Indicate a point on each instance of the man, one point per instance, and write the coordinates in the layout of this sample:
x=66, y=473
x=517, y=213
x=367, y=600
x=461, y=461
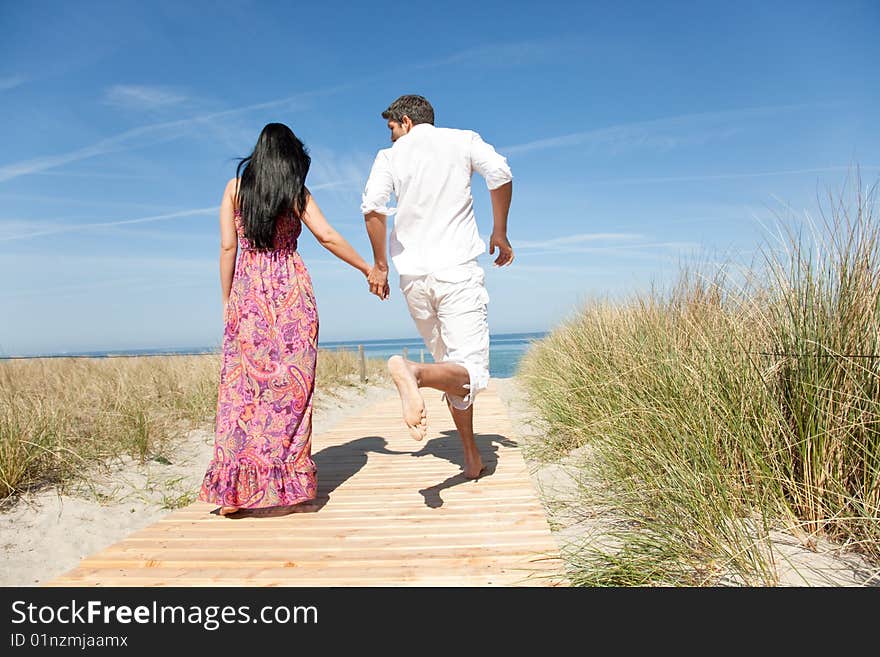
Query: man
x=434, y=247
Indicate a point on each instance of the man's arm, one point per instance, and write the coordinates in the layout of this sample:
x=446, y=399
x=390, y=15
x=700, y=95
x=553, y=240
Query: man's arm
x=374, y=207
x=500, y=207
x=493, y=167
x=376, y=230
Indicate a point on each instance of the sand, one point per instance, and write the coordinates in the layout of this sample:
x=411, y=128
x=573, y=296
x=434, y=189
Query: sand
x=46, y=533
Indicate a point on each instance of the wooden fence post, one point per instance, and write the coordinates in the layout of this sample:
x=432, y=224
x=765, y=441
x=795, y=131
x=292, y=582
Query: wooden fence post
x=421, y=355
x=405, y=353
x=362, y=363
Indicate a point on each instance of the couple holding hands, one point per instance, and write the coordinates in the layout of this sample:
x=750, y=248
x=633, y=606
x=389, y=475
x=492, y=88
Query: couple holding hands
x=262, y=449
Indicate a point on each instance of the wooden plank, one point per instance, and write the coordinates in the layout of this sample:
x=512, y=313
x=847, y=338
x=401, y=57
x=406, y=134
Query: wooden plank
x=340, y=511
x=446, y=580
x=393, y=572
x=408, y=517
x=349, y=511
x=400, y=544
x=153, y=556
x=360, y=526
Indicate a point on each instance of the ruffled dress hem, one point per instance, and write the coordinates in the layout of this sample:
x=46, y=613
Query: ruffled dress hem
x=250, y=486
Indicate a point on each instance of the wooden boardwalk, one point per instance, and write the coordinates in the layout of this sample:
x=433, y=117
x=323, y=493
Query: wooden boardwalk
x=390, y=512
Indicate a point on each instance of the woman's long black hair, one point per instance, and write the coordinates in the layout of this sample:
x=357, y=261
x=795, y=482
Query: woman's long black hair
x=273, y=182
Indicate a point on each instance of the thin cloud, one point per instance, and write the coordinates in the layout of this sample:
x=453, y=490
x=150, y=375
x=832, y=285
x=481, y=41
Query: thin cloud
x=123, y=222
x=169, y=130
x=52, y=228
x=642, y=250
x=77, y=287
x=12, y=227
x=96, y=174
x=157, y=132
x=65, y=200
x=346, y=173
x=724, y=176
x=622, y=244
x=130, y=286
x=40, y=164
x=12, y=82
x=329, y=185
x=132, y=96
x=664, y=133
x=106, y=261
x=556, y=269
x=506, y=53
x=579, y=238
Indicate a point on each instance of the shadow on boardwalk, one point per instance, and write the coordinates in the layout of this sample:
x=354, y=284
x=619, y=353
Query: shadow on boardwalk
x=346, y=460
x=449, y=447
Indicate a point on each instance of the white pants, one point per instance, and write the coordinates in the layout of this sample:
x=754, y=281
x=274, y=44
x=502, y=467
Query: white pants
x=449, y=309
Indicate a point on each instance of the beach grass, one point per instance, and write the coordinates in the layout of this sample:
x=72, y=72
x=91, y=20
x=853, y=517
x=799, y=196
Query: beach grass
x=743, y=402
x=61, y=416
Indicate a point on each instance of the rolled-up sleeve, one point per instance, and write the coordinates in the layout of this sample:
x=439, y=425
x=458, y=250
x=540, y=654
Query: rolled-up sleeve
x=380, y=186
x=486, y=161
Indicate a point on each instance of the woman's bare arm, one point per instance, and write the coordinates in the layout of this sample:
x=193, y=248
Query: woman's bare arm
x=331, y=240
x=228, y=239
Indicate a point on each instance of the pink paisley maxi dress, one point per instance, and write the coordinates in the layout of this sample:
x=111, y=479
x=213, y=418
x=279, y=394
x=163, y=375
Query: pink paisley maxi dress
x=263, y=431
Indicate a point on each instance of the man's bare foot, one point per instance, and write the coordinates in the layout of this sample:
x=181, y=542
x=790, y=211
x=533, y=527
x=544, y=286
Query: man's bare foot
x=228, y=510
x=473, y=470
x=414, y=414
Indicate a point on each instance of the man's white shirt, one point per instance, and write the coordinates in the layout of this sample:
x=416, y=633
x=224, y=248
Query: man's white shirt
x=429, y=170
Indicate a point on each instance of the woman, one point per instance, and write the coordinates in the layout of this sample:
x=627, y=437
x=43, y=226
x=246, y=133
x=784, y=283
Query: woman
x=262, y=445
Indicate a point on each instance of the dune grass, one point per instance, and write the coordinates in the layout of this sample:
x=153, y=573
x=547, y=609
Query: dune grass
x=59, y=416
x=732, y=406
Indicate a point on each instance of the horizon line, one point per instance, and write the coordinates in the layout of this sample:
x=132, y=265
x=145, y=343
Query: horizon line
x=199, y=350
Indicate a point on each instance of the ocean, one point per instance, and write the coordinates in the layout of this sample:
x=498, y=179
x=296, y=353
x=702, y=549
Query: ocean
x=505, y=350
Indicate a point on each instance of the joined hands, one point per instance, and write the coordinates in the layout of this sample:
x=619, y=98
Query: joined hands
x=377, y=278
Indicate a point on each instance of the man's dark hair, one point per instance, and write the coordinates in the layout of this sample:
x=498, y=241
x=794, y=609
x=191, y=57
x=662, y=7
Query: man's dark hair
x=417, y=108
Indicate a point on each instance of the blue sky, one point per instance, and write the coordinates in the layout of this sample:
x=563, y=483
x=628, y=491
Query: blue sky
x=639, y=135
